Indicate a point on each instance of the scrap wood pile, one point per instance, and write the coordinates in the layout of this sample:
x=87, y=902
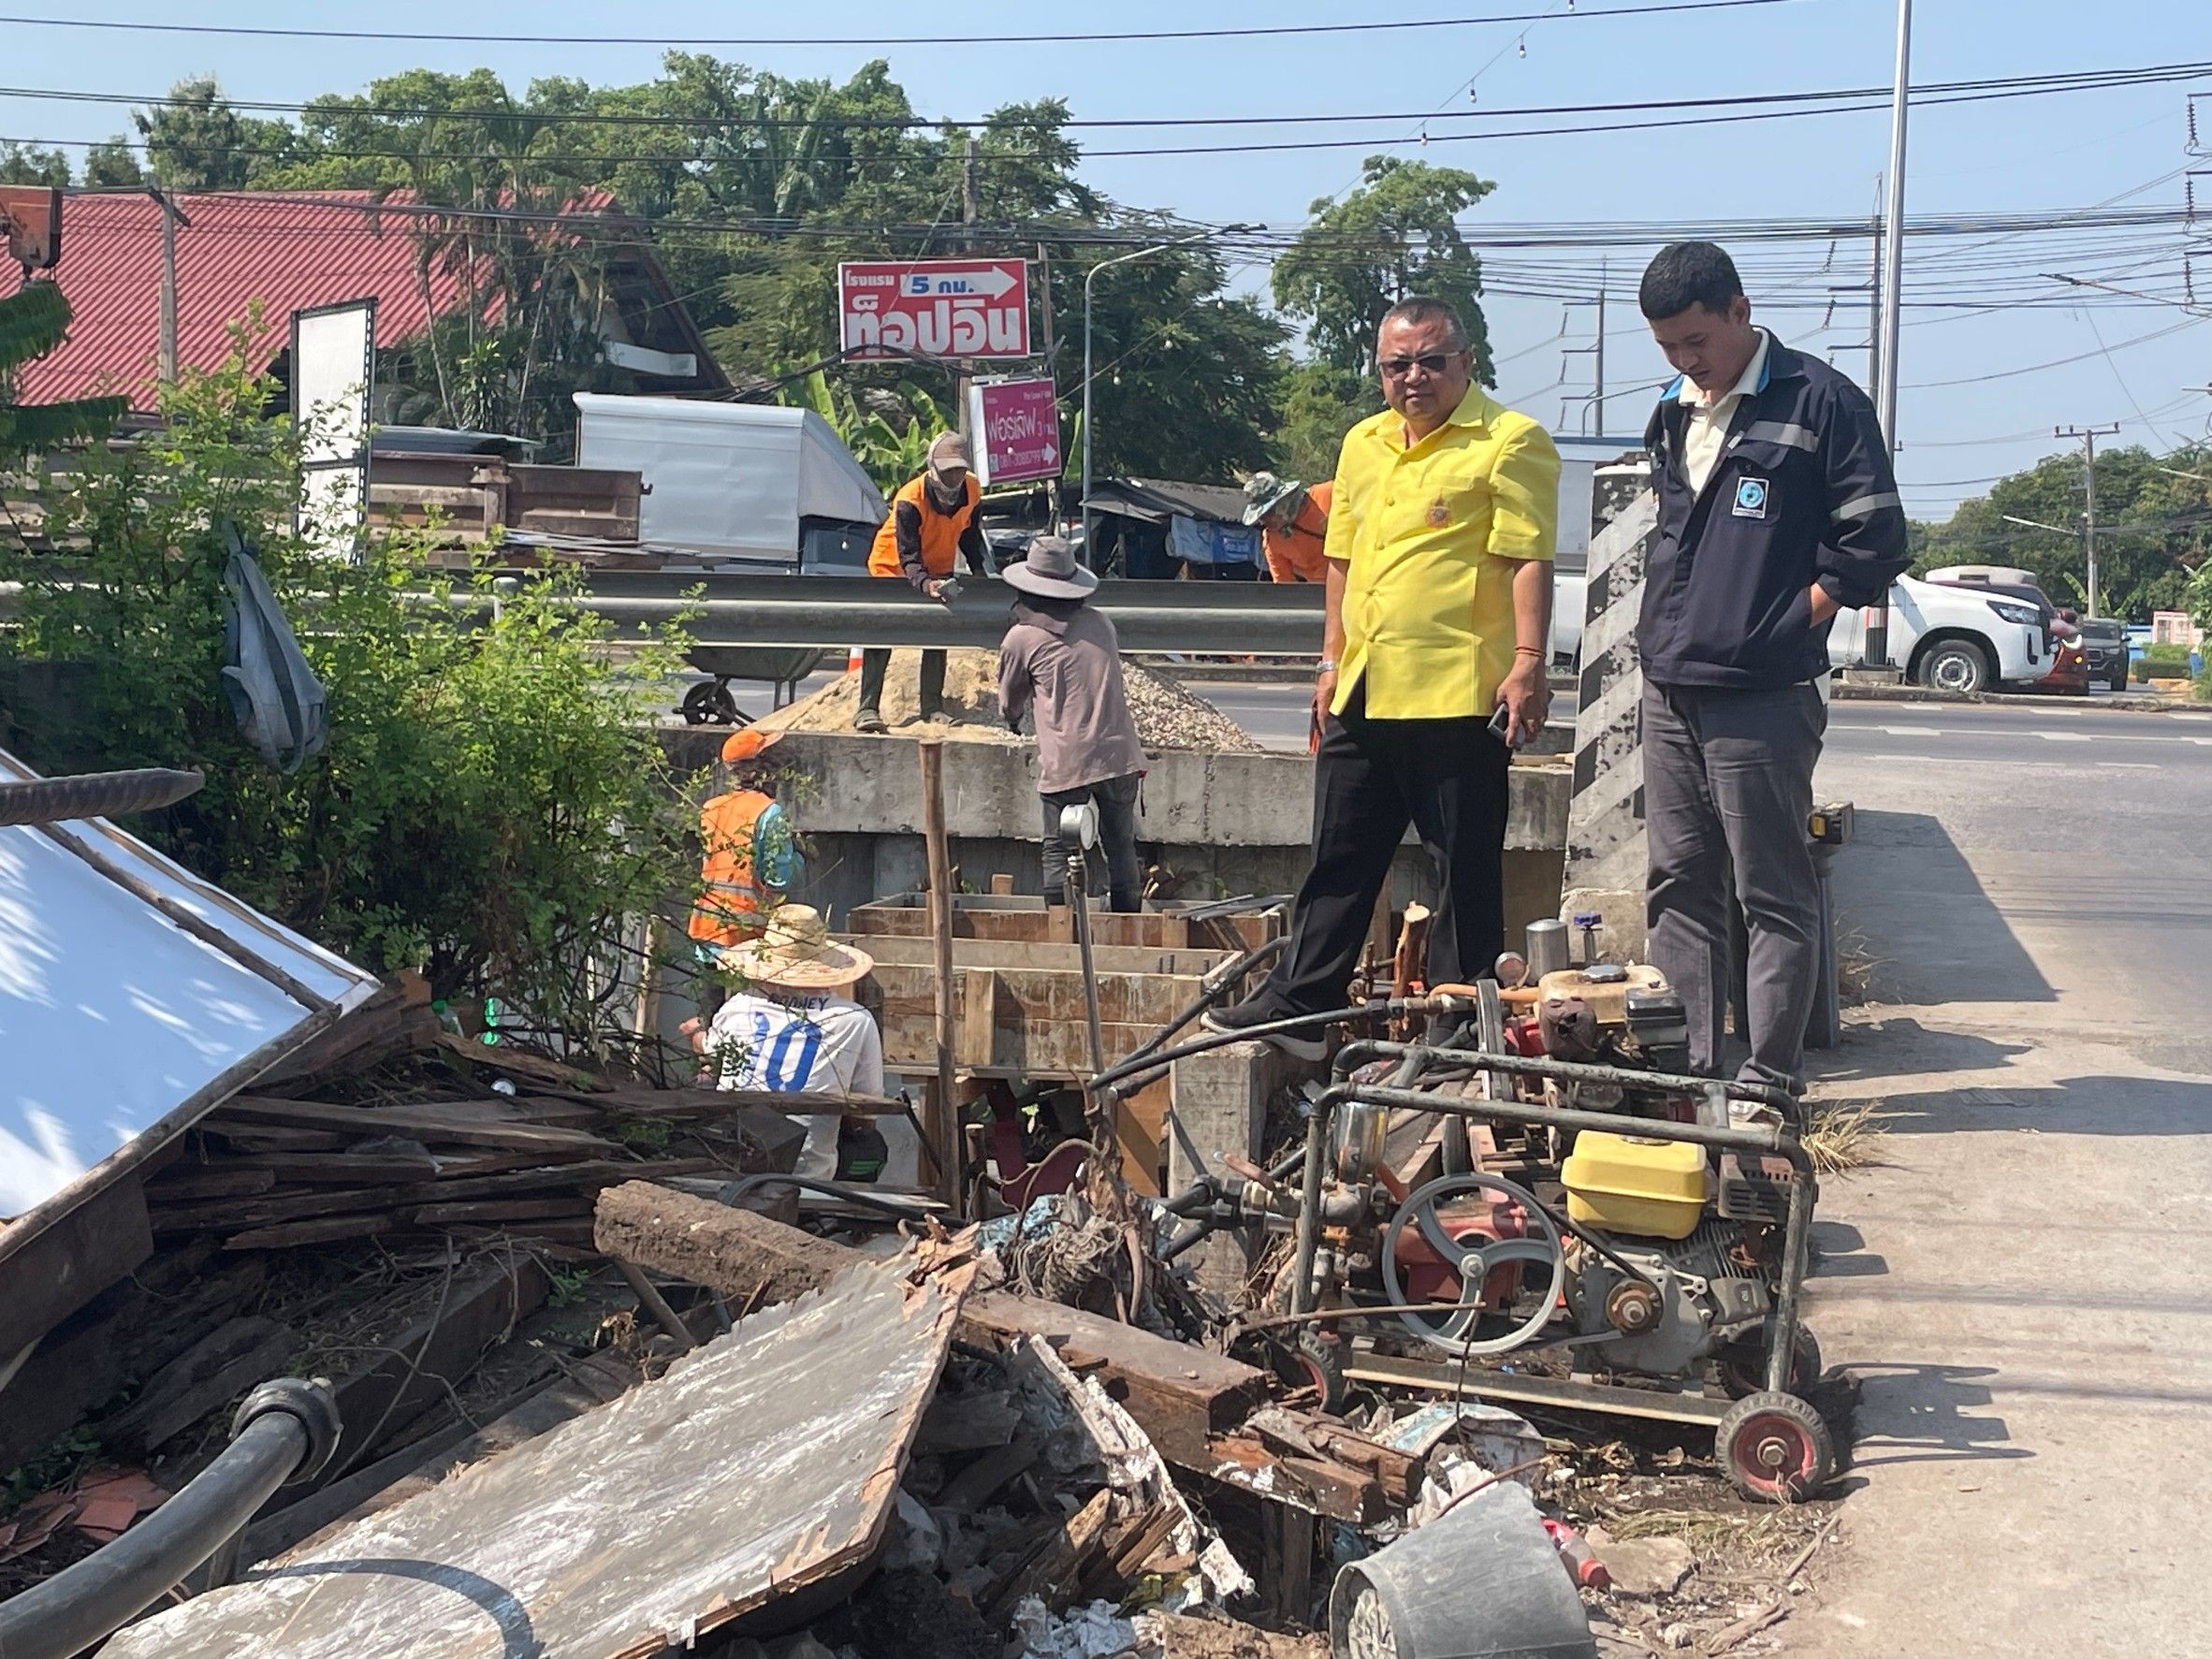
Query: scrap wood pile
x=403, y=1211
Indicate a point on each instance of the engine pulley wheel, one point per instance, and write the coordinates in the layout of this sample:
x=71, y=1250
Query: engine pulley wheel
x=1632, y=1307
x=1743, y=1364
x=1774, y=1449
x=1473, y=1261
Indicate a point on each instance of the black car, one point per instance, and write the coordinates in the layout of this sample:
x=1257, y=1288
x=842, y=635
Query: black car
x=2105, y=643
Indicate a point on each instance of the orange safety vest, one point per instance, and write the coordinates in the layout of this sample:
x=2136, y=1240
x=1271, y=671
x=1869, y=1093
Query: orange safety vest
x=731, y=903
x=1295, y=555
x=940, y=532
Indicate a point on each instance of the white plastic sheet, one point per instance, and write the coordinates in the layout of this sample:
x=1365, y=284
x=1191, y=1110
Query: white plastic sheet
x=112, y=1016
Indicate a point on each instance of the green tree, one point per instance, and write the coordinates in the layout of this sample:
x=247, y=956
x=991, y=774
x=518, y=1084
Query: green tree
x=2154, y=528
x=21, y=164
x=113, y=165
x=1320, y=403
x=197, y=141
x=490, y=807
x=32, y=321
x=1396, y=235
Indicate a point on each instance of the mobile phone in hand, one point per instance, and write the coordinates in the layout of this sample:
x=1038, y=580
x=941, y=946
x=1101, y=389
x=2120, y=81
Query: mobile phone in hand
x=1501, y=725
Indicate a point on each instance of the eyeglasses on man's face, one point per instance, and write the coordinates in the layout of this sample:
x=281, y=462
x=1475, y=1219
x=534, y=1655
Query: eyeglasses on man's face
x=1428, y=363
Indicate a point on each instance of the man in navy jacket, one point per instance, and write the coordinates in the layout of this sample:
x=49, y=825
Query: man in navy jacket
x=1777, y=508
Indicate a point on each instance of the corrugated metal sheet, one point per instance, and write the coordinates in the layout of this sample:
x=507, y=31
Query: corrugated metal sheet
x=285, y=253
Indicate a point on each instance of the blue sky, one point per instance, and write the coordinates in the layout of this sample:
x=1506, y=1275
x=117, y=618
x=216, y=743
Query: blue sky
x=2026, y=155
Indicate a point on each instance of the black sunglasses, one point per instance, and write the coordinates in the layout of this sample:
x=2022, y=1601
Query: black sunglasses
x=1432, y=362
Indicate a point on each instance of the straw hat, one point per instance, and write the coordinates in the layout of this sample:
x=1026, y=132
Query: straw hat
x=749, y=745
x=1264, y=492
x=1049, y=570
x=796, y=953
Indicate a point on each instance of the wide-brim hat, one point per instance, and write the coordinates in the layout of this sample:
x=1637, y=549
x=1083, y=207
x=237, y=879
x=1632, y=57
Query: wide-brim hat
x=795, y=952
x=749, y=745
x=1264, y=492
x=1049, y=571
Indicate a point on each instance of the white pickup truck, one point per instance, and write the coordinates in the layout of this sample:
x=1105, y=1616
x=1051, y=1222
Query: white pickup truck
x=1952, y=638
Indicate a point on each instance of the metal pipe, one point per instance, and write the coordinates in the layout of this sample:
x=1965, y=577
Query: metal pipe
x=1079, y=908
x=1212, y=988
x=1892, y=296
x=283, y=1429
x=1354, y=1054
x=1309, y=1207
x=1781, y=1353
x=1390, y=1007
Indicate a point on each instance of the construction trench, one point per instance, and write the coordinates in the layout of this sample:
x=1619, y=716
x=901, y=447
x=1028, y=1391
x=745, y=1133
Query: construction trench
x=1480, y=1338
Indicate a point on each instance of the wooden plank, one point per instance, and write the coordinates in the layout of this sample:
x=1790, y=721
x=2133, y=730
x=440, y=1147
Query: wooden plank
x=1181, y=1395
x=210, y=1374
x=424, y=1123
x=1310, y=1484
x=1141, y=1125
x=1058, y=957
x=69, y=1263
x=1049, y=994
x=401, y=1161
x=566, y=1208
x=975, y=1015
x=286, y=1235
x=187, y=1183
x=1033, y=1048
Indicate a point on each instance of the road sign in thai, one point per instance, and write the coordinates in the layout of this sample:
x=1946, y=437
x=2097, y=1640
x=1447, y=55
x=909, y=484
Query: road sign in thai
x=934, y=308
x=1016, y=425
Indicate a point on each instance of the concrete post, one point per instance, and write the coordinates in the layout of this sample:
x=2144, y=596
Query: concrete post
x=1216, y=1109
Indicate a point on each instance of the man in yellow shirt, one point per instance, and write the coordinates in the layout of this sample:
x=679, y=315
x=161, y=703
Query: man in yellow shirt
x=1439, y=608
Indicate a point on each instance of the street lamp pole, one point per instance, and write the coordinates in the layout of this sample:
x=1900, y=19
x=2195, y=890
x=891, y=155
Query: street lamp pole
x=1893, y=265
x=1089, y=277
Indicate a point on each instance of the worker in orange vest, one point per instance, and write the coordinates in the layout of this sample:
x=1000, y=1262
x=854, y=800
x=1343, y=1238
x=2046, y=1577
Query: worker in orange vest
x=752, y=860
x=932, y=523
x=1293, y=520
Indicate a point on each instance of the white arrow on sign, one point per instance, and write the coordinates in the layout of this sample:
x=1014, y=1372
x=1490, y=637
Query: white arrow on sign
x=994, y=283
x=1049, y=455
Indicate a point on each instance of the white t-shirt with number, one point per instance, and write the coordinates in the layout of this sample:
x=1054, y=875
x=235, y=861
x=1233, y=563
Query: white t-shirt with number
x=811, y=1043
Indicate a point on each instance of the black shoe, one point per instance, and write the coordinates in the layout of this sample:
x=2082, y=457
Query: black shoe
x=868, y=719
x=1309, y=1044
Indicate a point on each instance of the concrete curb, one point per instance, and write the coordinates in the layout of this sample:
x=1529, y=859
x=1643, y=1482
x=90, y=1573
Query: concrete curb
x=2125, y=704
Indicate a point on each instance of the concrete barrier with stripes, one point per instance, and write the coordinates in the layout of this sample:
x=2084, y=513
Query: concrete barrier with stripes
x=1605, y=851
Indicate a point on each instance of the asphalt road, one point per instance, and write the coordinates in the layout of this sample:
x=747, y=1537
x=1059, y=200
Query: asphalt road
x=2019, y=1282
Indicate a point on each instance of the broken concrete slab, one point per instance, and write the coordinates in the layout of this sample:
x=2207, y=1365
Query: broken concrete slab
x=761, y=1466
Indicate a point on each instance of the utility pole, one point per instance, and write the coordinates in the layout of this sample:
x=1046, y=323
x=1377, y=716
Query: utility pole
x=1893, y=268
x=969, y=213
x=1594, y=404
x=2089, y=436
x=171, y=216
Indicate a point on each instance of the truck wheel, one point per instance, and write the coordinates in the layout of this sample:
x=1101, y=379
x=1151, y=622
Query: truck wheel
x=1957, y=665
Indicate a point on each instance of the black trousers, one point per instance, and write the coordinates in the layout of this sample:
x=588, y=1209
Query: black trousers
x=874, y=665
x=1116, y=801
x=1372, y=779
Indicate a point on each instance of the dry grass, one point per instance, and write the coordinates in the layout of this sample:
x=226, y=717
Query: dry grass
x=1722, y=1538
x=1845, y=1136
x=1856, y=967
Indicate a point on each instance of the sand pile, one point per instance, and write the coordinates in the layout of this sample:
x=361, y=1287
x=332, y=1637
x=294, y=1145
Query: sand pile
x=1167, y=716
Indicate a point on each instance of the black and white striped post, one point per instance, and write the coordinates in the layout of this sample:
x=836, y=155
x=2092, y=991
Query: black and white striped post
x=1605, y=852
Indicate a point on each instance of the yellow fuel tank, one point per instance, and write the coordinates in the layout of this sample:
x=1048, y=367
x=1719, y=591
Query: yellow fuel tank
x=1624, y=1183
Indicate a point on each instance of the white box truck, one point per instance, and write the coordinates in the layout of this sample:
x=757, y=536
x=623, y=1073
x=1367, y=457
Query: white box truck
x=750, y=484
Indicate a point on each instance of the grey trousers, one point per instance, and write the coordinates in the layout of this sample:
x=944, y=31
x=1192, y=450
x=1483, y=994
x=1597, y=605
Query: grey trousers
x=1727, y=790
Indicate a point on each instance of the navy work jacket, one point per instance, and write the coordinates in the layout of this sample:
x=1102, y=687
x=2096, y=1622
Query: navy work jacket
x=1803, y=492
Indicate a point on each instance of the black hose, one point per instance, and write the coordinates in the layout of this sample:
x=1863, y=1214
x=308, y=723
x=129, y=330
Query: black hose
x=95, y=795
x=285, y=1428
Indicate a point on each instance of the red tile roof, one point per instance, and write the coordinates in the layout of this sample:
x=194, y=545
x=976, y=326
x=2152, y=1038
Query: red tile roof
x=287, y=253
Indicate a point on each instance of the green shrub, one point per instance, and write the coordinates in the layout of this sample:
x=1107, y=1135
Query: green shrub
x=2167, y=654
x=491, y=807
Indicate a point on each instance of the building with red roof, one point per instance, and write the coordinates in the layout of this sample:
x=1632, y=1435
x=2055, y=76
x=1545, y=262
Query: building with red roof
x=290, y=251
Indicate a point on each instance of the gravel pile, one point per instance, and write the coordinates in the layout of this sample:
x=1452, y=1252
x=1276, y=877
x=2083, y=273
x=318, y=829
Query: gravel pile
x=1167, y=714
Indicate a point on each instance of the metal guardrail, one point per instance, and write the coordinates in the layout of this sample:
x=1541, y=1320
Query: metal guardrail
x=754, y=609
